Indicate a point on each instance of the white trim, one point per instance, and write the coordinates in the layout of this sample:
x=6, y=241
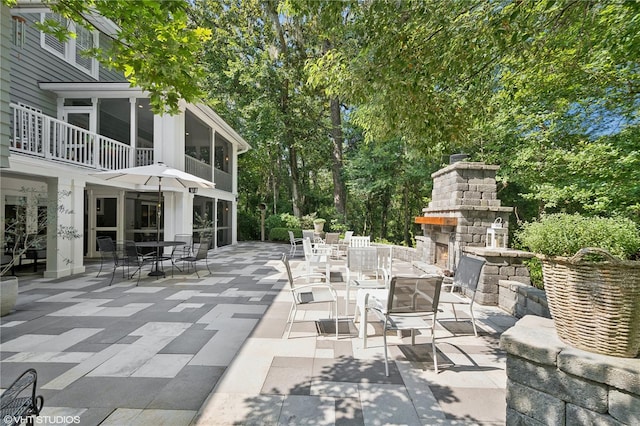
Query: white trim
x=69, y=46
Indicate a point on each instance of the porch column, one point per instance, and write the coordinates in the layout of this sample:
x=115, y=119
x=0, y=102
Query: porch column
x=133, y=131
x=178, y=214
x=168, y=139
x=65, y=255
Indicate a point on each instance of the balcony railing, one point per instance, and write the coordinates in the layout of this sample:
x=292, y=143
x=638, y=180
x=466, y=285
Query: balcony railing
x=222, y=180
x=197, y=168
x=37, y=134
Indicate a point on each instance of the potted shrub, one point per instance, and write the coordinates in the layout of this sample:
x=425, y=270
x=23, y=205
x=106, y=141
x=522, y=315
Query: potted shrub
x=318, y=225
x=591, y=281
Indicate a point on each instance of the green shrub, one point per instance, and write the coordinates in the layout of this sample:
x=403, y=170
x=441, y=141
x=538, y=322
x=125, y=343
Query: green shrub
x=282, y=234
x=306, y=221
x=564, y=234
x=535, y=272
x=273, y=221
x=289, y=221
x=248, y=227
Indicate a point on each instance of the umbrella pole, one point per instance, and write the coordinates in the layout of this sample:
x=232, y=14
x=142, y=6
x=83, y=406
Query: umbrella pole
x=158, y=272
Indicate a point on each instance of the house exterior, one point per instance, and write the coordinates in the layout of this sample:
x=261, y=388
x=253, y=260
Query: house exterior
x=65, y=118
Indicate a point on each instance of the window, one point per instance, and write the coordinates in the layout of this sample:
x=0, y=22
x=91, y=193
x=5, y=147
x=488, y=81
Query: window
x=72, y=49
x=18, y=31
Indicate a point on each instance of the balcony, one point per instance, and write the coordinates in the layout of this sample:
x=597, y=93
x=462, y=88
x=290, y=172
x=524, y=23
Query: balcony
x=38, y=135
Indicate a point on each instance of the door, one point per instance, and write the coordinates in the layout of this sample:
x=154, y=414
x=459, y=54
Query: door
x=103, y=209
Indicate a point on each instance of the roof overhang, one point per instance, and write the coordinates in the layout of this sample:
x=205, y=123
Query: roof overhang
x=91, y=89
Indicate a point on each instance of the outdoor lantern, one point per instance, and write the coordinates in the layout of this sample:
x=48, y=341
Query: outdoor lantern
x=497, y=235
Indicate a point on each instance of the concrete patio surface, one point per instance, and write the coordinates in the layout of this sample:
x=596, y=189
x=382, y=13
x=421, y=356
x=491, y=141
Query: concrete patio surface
x=213, y=351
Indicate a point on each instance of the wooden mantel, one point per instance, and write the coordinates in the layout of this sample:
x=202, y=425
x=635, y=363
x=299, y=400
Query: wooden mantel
x=437, y=220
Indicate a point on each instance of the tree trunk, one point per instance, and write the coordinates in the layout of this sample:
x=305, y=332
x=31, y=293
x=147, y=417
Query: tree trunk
x=295, y=178
x=336, y=158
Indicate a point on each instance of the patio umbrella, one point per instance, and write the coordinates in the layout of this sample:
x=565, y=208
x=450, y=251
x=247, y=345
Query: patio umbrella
x=156, y=174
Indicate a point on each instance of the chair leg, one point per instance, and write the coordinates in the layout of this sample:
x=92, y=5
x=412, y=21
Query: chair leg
x=336, y=315
x=473, y=322
x=435, y=354
x=455, y=314
x=384, y=340
x=100, y=268
x=292, y=317
x=113, y=274
x=346, y=300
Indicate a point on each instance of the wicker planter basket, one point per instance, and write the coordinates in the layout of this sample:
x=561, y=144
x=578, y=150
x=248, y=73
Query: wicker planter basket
x=595, y=305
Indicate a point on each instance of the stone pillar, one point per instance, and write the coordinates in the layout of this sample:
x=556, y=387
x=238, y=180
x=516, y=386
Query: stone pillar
x=550, y=382
x=502, y=264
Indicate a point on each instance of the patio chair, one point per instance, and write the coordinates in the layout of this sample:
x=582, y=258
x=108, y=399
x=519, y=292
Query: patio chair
x=331, y=239
x=107, y=249
x=109, y=255
x=466, y=279
x=181, y=251
x=308, y=233
x=294, y=243
x=360, y=241
x=317, y=256
x=133, y=257
x=309, y=293
x=363, y=272
x=385, y=258
x=201, y=254
x=343, y=244
x=411, y=304
x=19, y=403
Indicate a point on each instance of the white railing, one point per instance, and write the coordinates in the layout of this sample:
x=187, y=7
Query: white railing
x=37, y=134
x=197, y=168
x=222, y=180
x=144, y=156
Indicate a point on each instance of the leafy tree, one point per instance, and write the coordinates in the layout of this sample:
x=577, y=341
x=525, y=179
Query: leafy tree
x=156, y=45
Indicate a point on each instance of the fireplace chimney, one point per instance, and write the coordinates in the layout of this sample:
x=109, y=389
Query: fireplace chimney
x=463, y=205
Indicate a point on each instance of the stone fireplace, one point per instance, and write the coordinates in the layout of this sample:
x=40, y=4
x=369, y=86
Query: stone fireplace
x=464, y=203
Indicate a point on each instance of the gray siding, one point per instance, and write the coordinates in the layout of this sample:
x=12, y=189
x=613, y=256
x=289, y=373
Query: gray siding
x=106, y=74
x=5, y=65
x=32, y=65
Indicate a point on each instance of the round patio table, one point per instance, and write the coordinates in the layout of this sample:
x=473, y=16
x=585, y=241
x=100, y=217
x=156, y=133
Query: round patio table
x=155, y=271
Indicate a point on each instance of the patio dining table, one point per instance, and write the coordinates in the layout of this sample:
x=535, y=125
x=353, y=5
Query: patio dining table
x=155, y=271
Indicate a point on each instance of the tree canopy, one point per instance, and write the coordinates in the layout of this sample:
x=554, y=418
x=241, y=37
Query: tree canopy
x=375, y=93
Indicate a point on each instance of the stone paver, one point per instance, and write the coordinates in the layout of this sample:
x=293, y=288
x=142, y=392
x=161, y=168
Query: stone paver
x=212, y=351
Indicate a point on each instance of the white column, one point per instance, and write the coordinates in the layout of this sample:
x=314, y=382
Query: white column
x=65, y=255
x=168, y=139
x=133, y=131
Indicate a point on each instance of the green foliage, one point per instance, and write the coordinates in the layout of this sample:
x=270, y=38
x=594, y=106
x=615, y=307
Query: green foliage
x=157, y=45
x=273, y=221
x=337, y=226
x=306, y=221
x=282, y=220
x=565, y=234
x=248, y=227
x=282, y=234
x=290, y=221
x=535, y=272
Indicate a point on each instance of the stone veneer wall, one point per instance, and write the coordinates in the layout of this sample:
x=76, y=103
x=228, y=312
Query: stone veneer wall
x=502, y=264
x=552, y=383
x=518, y=299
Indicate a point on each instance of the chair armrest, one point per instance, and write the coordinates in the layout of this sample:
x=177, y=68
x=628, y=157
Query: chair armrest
x=314, y=275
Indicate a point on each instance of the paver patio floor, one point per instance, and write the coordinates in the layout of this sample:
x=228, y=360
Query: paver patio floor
x=212, y=351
